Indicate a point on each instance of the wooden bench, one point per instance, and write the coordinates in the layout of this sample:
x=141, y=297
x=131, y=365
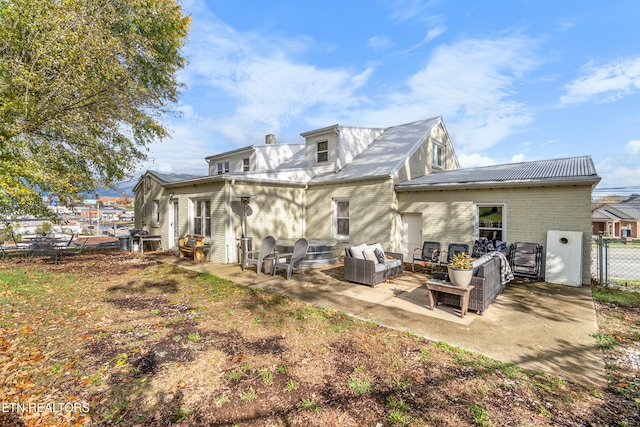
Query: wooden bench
x=193, y=246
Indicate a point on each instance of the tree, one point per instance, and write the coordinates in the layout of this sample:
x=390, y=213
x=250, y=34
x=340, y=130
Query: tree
x=84, y=85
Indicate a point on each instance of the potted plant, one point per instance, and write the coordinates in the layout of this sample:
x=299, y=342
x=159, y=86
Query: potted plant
x=460, y=270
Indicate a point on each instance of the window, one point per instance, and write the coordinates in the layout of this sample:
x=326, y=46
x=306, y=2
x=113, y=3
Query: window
x=323, y=151
x=156, y=212
x=438, y=155
x=491, y=222
x=245, y=165
x=341, y=223
x=202, y=218
x=223, y=167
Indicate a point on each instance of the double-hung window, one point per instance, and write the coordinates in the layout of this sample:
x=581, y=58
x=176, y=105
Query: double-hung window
x=223, y=167
x=341, y=219
x=323, y=151
x=245, y=165
x=202, y=218
x=491, y=220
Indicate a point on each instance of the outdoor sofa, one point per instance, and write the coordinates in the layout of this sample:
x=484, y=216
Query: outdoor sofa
x=488, y=280
x=370, y=264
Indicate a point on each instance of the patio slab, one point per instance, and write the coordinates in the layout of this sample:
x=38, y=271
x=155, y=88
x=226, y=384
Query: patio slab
x=538, y=326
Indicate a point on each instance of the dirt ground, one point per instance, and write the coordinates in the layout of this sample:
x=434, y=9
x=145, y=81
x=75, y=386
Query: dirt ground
x=111, y=338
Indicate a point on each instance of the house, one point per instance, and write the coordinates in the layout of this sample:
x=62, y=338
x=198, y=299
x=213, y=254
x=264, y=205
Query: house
x=617, y=219
x=397, y=186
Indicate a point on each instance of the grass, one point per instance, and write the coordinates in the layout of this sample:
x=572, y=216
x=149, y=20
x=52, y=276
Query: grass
x=122, y=338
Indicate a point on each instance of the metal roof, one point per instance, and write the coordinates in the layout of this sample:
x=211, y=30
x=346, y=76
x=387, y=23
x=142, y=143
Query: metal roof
x=539, y=171
x=385, y=155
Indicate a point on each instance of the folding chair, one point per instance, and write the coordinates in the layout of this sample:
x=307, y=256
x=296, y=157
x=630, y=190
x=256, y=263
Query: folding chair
x=525, y=260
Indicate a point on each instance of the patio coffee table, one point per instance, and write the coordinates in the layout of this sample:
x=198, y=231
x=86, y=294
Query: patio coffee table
x=435, y=286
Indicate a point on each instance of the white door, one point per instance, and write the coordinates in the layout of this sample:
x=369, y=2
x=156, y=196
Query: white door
x=411, y=234
x=174, y=225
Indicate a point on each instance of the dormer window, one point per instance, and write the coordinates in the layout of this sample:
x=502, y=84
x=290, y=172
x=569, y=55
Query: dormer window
x=323, y=151
x=223, y=167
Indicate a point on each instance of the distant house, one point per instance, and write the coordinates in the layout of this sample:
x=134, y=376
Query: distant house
x=398, y=186
x=617, y=219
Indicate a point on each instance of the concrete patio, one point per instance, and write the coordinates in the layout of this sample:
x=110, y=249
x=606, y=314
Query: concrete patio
x=538, y=326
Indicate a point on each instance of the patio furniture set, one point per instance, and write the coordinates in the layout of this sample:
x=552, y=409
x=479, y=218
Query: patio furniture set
x=272, y=260
x=44, y=246
x=370, y=264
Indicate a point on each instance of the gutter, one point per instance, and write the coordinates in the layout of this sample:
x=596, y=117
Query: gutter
x=497, y=184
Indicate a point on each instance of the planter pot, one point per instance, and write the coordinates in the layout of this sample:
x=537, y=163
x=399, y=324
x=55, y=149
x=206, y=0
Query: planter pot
x=460, y=277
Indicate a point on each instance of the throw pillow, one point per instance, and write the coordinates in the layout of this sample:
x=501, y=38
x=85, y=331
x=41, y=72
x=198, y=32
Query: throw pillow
x=357, y=251
x=379, y=255
x=369, y=255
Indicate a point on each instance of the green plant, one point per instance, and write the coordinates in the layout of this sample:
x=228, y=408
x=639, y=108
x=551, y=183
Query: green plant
x=235, y=375
x=309, y=405
x=291, y=385
x=480, y=416
x=249, y=395
x=359, y=387
x=267, y=377
x=461, y=261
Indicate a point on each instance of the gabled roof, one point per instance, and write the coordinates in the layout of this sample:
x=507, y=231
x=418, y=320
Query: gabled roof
x=626, y=210
x=167, y=178
x=540, y=172
x=386, y=154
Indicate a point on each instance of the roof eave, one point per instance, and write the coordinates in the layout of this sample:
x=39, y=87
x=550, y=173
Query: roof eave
x=497, y=184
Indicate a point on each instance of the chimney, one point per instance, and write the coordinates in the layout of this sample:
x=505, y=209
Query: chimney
x=270, y=139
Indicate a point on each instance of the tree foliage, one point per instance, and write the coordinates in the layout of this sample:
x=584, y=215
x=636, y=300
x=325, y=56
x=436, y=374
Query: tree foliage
x=84, y=85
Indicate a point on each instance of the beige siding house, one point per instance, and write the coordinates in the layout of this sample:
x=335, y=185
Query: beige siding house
x=398, y=186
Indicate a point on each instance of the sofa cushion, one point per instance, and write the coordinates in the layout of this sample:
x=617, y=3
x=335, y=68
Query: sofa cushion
x=191, y=243
x=381, y=267
x=357, y=251
x=391, y=263
x=379, y=255
x=369, y=255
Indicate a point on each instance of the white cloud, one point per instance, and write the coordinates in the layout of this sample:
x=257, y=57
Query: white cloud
x=604, y=82
x=620, y=178
x=633, y=147
x=379, y=42
x=258, y=78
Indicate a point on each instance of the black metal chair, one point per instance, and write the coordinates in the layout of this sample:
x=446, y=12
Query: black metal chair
x=455, y=249
x=430, y=254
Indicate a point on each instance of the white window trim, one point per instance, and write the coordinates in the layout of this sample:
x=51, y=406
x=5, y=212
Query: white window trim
x=318, y=152
x=335, y=219
x=192, y=215
x=476, y=226
x=437, y=156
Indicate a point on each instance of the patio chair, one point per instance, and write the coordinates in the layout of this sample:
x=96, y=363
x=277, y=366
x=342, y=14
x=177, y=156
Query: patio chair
x=525, y=260
x=72, y=248
x=44, y=247
x=257, y=257
x=289, y=261
x=430, y=254
x=453, y=250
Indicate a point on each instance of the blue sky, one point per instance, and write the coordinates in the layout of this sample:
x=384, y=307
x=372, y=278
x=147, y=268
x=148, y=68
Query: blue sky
x=514, y=80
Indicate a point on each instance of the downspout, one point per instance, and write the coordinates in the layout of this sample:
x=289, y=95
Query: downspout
x=230, y=238
x=304, y=211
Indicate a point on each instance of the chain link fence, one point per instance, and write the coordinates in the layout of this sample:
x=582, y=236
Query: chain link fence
x=615, y=261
